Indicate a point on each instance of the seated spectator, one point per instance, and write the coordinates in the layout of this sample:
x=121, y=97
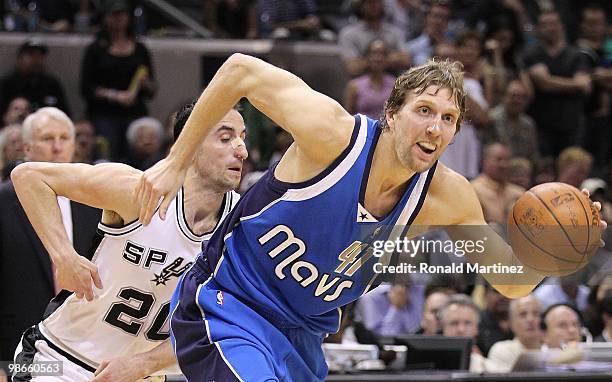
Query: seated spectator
x=430, y=321
x=354, y=39
x=11, y=149
x=562, y=326
x=231, y=18
x=521, y=172
x=392, y=310
x=525, y=315
x=295, y=19
x=459, y=318
x=496, y=195
x=605, y=308
x=511, y=125
x=367, y=93
x=494, y=325
x=574, y=166
x=89, y=148
x=30, y=80
x=421, y=48
x=17, y=110
x=145, y=137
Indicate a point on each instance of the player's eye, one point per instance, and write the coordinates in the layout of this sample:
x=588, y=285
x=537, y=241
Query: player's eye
x=449, y=118
x=424, y=110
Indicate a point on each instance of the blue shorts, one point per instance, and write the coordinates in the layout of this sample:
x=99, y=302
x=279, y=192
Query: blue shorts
x=217, y=337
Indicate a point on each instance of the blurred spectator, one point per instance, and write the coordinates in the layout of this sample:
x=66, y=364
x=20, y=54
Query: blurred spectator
x=520, y=172
x=565, y=290
x=283, y=141
x=145, y=137
x=596, y=44
x=296, y=19
x=354, y=39
x=566, y=9
x=494, y=325
x=469, y=51
x=30, y=81
x=55, y=15
x=605, y=308
x=407, y=16
x=231, y=18
x=463, y=154
x=262, y=133
x=459, y=318
x=496, y=195
x=598, y=190
x=392, y=310
x=421, y=48
x=559, y=74
x=525, y=315
x=11, y=149
x=116, y=77
x=16, y=111
x=600, y=287
x=511, y=126
x=545, y=171
x=574, y=166
x=430, y=321
x=504, y=43
x=367, y=93
x=88, y=148
x=561, y=325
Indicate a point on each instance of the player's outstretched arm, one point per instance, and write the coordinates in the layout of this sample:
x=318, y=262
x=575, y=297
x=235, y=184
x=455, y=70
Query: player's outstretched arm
x=106, y=186
x=136, y=367
x=320, y=127
x=472, y=226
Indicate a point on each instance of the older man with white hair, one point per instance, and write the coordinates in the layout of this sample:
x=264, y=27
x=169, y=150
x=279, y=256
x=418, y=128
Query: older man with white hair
x=27, y=280
x=525, y=315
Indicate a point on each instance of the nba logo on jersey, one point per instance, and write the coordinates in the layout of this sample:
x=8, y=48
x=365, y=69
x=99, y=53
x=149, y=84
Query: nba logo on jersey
x=220, y=297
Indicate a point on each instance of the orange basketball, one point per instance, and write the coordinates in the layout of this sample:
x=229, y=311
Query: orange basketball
x=554, y=229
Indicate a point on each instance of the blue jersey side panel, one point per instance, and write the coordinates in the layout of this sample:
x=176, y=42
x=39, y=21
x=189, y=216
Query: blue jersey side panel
x=295, y=252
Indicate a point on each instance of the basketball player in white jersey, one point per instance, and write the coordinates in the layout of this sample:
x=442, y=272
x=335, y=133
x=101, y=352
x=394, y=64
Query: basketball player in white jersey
x=134, y=268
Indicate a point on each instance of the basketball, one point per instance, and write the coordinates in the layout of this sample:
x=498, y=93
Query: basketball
x=554, y=229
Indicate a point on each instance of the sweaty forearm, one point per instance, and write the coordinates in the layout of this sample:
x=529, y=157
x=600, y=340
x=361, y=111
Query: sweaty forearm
x=40, y=204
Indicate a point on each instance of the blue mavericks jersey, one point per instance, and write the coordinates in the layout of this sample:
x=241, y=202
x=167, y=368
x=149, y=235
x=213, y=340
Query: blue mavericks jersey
x=296, y=252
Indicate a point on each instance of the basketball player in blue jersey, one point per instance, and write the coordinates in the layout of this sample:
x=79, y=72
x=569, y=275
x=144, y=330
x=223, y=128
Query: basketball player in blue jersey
x=121, y=328
x=267, y=289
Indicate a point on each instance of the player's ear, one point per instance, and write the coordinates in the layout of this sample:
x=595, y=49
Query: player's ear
x=390, y=118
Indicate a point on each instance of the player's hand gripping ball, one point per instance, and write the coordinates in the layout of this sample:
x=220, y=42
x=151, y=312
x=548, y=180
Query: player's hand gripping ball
x=554, y=229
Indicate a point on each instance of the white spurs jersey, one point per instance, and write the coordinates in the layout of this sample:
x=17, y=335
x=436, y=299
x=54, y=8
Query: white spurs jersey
x=139, y=267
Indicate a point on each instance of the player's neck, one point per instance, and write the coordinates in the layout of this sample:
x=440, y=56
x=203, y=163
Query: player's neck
x=202, y=203
x=387, y=179
x=387, y=172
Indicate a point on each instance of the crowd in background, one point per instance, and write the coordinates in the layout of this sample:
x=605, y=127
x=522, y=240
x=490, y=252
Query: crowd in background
x=538, y=75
